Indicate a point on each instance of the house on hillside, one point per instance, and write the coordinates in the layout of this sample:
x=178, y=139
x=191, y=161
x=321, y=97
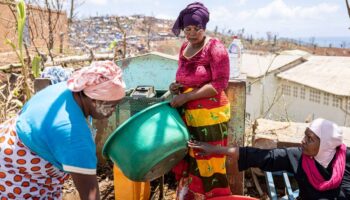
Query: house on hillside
x=262, y=85
x=319, y=87
x=155, y=68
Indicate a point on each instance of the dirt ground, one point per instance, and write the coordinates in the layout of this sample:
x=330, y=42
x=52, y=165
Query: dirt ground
x=105, y=179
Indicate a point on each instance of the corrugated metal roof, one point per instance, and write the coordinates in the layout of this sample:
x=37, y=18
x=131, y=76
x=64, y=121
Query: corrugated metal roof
x=255, y=65
x=327, y=73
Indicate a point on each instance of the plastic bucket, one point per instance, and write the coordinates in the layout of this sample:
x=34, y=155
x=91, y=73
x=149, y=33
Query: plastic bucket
x=149, y=143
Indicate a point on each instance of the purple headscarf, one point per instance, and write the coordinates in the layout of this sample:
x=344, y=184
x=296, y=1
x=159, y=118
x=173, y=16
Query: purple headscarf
x=194, y=14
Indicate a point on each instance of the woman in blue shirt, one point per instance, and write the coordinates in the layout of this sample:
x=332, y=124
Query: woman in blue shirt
x=51, y=137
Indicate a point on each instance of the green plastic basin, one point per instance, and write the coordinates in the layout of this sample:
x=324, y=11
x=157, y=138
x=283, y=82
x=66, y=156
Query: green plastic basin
x=149, y=143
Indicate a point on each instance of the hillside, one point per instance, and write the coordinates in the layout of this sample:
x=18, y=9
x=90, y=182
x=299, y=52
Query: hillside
x=144, y=34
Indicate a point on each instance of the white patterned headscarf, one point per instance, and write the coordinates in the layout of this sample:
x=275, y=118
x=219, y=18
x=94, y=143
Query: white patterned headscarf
x=331, y=136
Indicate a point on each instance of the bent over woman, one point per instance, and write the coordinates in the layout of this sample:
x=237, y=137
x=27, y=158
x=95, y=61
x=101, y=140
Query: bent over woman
x=51, y=138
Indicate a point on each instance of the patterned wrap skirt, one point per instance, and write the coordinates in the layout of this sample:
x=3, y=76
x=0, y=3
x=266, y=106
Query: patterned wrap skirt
x=203, y=177
x=23, y=174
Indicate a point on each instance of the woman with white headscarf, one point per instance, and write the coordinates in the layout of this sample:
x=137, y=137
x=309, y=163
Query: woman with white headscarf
x=321, y=166
x=51, y=137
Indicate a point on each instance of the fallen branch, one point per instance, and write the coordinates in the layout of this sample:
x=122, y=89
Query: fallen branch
x=10, y=66
x=65, y=60
x=77, y=59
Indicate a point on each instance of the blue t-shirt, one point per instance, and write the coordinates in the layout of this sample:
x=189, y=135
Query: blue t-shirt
x=53, y=126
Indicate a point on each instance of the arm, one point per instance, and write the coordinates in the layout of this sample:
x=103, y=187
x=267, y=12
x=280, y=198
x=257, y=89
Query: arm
x=79, y=160
x=87, y=186
x=265, y=159
x=219, y=65
x=174, y=88
x=207, y=149
x=205, y=91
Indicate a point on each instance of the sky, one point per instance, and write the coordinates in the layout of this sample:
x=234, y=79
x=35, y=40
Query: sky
x=284, y=18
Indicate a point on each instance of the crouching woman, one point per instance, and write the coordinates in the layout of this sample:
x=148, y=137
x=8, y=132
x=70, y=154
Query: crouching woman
x=321, y=166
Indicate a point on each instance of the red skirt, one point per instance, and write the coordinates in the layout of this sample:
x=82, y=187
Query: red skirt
x=202, y=177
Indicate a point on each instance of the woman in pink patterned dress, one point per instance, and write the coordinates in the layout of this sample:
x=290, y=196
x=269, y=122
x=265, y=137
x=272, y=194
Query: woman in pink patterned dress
x=201, y=79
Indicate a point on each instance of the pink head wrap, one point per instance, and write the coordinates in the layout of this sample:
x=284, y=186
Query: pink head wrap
x=102, y=80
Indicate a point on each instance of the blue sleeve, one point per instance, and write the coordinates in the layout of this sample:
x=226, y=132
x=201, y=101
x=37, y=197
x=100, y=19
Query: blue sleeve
x=73, y=147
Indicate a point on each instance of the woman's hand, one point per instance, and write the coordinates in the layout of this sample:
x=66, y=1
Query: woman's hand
x=208, y=149
x=179, y=100
x=175, y=88
x=204, y=148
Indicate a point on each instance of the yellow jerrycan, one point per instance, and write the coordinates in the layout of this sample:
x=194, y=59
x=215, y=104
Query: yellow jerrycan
x=125, y=189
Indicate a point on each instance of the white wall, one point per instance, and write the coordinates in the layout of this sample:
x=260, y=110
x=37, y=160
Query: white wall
x=263, y=86
x=290, y=106
x=253, y=98
x=293, y=107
